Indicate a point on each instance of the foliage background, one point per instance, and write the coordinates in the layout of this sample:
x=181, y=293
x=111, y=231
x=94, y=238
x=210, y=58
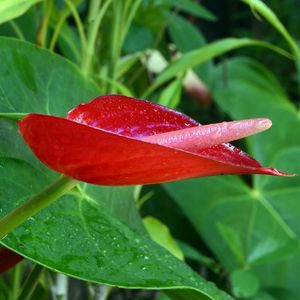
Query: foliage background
x=242, y=233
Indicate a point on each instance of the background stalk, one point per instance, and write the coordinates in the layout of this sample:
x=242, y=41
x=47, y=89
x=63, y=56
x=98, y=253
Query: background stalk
x=31, y=283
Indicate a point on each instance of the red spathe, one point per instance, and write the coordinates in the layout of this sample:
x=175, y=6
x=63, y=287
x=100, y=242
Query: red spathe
x=99, y=143
x=8, y=259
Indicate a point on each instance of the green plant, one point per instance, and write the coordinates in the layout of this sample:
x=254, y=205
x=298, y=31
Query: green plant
x=241, y=232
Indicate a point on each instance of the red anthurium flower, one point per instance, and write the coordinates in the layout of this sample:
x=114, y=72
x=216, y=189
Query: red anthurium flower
x=117, y=140
x=8, y=259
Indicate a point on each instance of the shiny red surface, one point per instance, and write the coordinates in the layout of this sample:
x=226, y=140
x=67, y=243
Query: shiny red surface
x=8, y=259
x=99, y=143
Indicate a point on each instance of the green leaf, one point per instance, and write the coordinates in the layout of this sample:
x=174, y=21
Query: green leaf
x=188, y=37
x=235, y=205
x=120, y=88
x=263, y=218
x=24, y=27
x=185, y=35
x=160, y=233
x=279, y=147
x=93, y=233
x=233, y=241
x=197, y=57
x=138, y=38
x=260, y=7
x=261, y=85
x=192, y=253
x=170, y=96
x=191, y=7
x=10, y=9
x=125, y=63
x=245, y=283
x=69, y=43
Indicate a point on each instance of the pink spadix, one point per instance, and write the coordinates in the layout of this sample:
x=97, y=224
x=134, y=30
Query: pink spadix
x=201, y=137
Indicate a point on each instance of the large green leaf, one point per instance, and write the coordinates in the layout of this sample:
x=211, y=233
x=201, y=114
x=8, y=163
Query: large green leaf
x=93, y=233
x=188, y=37
x=10, y=9
x=252, y=226
x=185, y=35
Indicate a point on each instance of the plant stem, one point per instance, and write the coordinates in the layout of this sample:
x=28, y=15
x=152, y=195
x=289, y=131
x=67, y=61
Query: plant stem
x=31, y=283
x=17, y=30
x=95, y=17
x=115, y=42
x=62, y=18
x=119, y=87
x=42, y=33
x=13, y=116
x=79, y=24
x=132, y=9
x=264, y=11
x=123, y=13
x=35, y=204
x=16, y=282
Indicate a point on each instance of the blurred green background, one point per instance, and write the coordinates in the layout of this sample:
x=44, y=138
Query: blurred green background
x=240, y=232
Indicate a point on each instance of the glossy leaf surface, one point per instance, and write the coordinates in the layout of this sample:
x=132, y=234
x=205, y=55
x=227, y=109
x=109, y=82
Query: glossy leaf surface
x=92, y=233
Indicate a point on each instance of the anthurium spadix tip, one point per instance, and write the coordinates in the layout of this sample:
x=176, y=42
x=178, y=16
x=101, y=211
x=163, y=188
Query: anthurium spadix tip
x=117, y=140
x=201, y=137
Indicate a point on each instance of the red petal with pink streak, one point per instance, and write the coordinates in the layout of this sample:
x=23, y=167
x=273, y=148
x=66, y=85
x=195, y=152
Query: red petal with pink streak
x=8, y=259
x=99, y=143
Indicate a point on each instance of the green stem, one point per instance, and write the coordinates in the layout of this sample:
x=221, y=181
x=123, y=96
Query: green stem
x=17, y=278
x=17, y=30
x=57, y=30
x=132, y=9
x=61, y=21
x=94, y=22
x=35, y=204
x=264, y=11
x=115, y=42
x=42, y=33
x=79, y=24
x=31, y=283
x=121, y=88
x=13, y=116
